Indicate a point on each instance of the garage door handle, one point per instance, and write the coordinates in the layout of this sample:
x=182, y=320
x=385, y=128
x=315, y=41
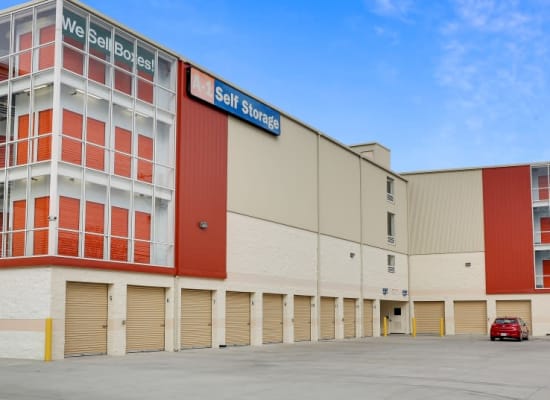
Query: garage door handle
x=162, y=325
x=209, y=324
x=104, y=326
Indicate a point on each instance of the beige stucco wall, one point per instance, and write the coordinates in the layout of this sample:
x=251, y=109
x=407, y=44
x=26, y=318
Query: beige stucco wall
x=263, y=255
x=273, y=178
x=340, y=268
x=443, y=276
x=376, y=206
x=339, y=192
x=377, y=277
x=25, y=304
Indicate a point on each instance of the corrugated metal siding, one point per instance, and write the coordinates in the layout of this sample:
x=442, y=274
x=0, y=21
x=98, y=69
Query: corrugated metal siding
x=470, y=317
x=145, y=319
x=327, y=318
x=508, y=230
x=273, y=318
x=237, y=319
x=349, y=318
x=196, y=318
x=85, y=319
x=445, y=212
x=201, y=186
x=428, y=316
x=367, y=318
x=302, y=318
x=515, y=308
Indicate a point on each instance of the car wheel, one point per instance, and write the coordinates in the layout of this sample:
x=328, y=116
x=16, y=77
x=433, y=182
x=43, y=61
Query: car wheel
x=492, y=339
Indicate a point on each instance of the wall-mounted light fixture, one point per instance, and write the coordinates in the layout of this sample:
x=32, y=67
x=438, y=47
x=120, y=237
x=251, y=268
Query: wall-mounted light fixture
x=38, y=87
x=468, y=264
x=203, y=224
x=352, y=255
x=82, y=92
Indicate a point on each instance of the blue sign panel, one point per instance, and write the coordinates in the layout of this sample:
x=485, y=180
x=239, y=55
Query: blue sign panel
x=233, y=101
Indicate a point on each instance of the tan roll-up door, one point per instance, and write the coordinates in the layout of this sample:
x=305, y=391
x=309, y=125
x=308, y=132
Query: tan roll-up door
x=470, y=317
x=428, y=316
x=196, y=318
x=302, y=318
x=327, y=318
x=145, y=319
x=272, y=318
x=237, y=319
x=515, y=308
x=85, y=319
x=367, y=318
x=349, y=318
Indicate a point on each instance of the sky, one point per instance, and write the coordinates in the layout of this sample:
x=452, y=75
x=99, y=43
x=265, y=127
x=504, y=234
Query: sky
x=442, y=84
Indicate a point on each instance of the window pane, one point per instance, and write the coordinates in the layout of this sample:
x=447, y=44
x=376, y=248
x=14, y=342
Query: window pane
x=68, y=235
x=23, y=41
x=5, y=36
x=41, y=212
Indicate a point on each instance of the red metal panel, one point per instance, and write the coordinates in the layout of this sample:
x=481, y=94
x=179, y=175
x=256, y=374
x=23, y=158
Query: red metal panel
x=201, y=187
x=508, y=230
x=546, y=273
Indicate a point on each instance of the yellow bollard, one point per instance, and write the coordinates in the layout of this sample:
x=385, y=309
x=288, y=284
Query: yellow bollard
x=441, y=327
x=48, y=340
x=414, y=327
x=385, y=326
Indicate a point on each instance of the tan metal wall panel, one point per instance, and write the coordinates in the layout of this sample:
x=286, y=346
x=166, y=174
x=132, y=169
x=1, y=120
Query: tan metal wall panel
x=145, y=319
x=237, y=318
x=85, y=318
x=367, y=318
x=428, y=316
x=302, y=318
x=261, y=185
x=327, y=318
x=376, y=206
x=446, y=212
x=349, y=318
x=515, y=308
x=339, y=192
x=196, y=318
x=470, y=317
x=273, y=318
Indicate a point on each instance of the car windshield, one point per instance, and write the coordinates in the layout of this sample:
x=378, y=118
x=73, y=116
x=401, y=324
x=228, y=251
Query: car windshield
x=506, y=321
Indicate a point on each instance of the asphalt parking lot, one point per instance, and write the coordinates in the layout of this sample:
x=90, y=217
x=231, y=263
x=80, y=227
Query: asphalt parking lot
x=396, y=367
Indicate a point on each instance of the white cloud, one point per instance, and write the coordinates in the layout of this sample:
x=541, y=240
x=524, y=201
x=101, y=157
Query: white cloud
x=494, y=58
x=496, y=16
x=390, y=8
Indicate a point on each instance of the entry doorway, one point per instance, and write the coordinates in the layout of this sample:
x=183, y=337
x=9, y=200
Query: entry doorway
x=396, y=314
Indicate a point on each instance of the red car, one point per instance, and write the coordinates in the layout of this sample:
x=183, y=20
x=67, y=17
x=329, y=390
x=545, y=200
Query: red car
x=509, y=327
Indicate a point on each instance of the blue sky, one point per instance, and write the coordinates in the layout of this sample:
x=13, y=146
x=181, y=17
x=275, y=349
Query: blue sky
x=443, y=84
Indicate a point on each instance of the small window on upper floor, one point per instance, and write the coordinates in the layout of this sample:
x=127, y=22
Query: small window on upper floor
x=391, y=228
x=389, y=189
x=391, y=263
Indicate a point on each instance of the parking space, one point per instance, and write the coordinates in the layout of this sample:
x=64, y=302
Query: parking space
x=395, y=367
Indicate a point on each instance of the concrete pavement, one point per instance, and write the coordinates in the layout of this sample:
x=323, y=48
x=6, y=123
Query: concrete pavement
x=396, y=367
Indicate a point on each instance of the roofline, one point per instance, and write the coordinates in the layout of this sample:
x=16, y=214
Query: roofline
x=370, y=144
x=464, y=169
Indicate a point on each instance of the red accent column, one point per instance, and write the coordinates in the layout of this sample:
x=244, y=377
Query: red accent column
x=508, y=225
x=201, y=187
